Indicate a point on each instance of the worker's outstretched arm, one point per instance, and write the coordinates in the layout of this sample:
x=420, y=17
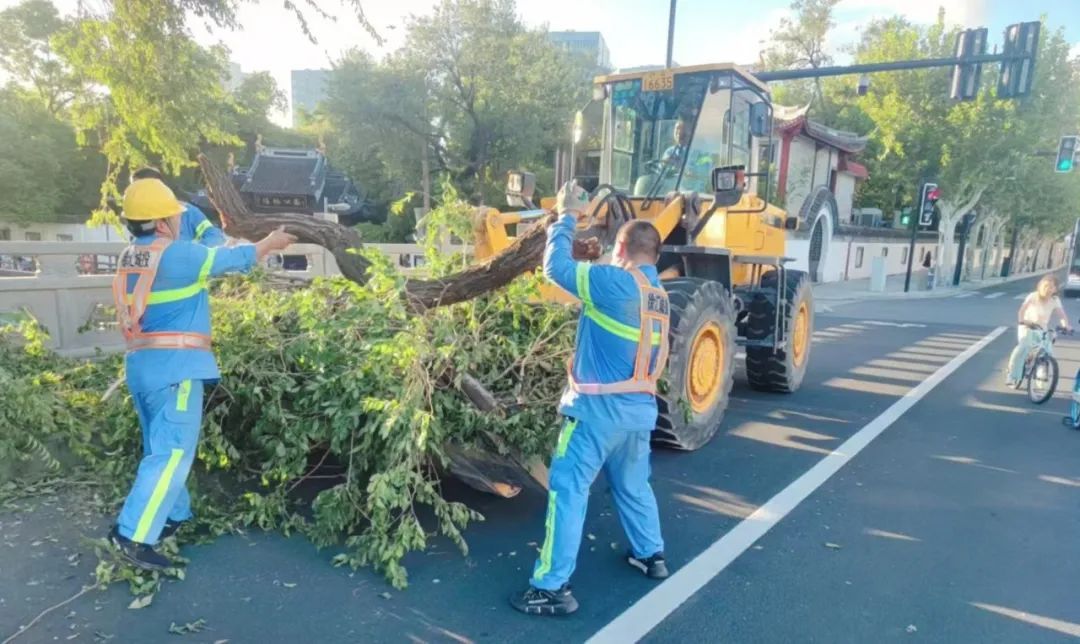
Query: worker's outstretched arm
x=242, y=258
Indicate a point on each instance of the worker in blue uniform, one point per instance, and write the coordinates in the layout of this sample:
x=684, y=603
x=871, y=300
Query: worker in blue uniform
x=609, y=404
x=194, y=226
x=163, y=307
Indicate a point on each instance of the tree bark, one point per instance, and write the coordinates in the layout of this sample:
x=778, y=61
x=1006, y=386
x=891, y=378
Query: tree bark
x=524, y=255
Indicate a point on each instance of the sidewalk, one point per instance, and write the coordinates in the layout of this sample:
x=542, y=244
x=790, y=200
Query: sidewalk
x=894, y=287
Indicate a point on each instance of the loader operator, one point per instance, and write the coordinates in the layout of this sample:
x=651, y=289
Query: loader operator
x=163, y=307
x=609, y=404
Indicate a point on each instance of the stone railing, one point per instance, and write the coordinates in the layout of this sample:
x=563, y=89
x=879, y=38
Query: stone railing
x=67, y=286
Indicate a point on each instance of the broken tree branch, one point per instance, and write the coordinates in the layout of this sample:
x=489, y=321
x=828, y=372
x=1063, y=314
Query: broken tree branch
x=524, y=255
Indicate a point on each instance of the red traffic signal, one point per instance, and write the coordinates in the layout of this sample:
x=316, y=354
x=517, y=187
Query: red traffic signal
x=933, y=195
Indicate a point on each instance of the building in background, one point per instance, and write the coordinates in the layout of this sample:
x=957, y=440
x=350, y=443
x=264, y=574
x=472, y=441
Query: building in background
x=586, y=43
x=236, y=78
x=308, y=89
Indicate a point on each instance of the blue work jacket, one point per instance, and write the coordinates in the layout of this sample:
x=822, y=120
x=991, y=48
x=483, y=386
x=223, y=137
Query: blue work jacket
x=180, y=302
x=194, y=226
x=607, y=335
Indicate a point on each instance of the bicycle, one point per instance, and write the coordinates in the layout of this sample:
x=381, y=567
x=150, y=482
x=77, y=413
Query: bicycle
x=1040, y=366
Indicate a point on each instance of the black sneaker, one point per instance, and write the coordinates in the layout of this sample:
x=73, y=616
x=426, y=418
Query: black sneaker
x=545, y=602
x=654, y=567
x=171, y=528
x=138, y=554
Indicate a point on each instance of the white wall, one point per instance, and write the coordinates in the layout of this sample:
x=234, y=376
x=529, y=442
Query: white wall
x=54, y=232
x=845, y=196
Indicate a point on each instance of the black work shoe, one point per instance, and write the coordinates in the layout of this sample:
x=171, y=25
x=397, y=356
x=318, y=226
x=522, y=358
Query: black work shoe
x=654, y=567
x=171, y=528
x=545, y=602
x=138, y=554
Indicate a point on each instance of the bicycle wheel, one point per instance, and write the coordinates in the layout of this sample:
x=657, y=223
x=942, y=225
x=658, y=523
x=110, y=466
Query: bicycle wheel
x=1043, y=379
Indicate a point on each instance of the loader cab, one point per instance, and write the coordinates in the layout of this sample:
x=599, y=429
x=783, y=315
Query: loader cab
x=665, y=131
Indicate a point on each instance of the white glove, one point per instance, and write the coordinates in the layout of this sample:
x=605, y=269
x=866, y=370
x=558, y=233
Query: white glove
x=572, y=199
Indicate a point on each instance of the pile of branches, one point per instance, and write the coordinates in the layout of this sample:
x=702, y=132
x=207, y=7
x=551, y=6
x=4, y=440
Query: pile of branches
x=342, y=402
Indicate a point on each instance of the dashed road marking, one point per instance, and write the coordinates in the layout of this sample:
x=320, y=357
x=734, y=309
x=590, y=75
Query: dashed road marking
x=993, y=295
x=646, y=613
x=963, y=295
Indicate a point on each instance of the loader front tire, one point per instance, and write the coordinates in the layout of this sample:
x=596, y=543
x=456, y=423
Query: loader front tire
x=701, y=366
x=782, y=369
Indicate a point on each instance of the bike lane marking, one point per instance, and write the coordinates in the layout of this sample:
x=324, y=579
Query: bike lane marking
x=645, y=614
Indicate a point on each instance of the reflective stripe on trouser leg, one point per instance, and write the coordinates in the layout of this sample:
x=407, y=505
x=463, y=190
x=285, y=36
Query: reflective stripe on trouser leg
x=174, y=436
x=573, y=470
x=627, y=470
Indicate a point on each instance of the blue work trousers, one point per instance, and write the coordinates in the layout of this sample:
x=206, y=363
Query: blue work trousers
x=170, y=418
x=583, y=449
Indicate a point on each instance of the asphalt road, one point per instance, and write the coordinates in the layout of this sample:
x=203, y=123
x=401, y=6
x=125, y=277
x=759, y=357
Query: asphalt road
x=953, y=525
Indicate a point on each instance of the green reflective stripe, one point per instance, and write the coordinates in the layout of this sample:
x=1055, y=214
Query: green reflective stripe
x=204, y=272
x=182, y=395
x=549, y=540
x=201, y=229
x=583, y=284
x=624, y=331
x=177, y=294
x=564, y=437
x=156, y=498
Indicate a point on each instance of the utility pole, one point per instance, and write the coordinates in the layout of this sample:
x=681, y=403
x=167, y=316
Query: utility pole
x=671, y=33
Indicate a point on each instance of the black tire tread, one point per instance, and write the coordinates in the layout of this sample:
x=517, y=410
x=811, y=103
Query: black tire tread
x=1049, y=393
x=766, y=369
x=690, y=298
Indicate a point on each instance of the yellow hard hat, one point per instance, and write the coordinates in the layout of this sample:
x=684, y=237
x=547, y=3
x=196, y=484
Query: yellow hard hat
x=150, y=199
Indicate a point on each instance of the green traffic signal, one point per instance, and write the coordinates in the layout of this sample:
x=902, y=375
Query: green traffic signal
x=1065, y=165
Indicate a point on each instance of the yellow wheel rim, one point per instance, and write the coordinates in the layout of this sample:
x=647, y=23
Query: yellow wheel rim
x=705, y=368
x=801, y=336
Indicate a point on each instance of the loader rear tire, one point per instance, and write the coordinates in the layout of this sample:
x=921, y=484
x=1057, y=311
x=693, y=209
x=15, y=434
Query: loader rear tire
x=701, y=366
x=781, y=369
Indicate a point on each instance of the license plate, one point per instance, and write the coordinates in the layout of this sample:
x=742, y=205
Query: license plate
x=658, y=82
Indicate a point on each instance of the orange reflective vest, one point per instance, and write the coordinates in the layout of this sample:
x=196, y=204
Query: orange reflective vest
x=143, y=262
x=654, y=309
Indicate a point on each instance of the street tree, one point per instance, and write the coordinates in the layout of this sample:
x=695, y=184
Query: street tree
x=43, y=171
x=500, y=91
x=801, y=42
x=921, y=134
x=157, y=95
x=27, y=55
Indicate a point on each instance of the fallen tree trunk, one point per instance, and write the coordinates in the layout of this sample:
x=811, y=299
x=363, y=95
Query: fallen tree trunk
x=524, y=255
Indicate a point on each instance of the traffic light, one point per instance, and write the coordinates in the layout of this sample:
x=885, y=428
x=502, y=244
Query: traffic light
x=905, y=217
x=1021, y=39
x=1066, y=155
x=927, y=198
x=965, y=80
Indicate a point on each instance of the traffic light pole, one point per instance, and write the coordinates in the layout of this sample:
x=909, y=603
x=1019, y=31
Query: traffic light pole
x=911, y=251
x=870, y=68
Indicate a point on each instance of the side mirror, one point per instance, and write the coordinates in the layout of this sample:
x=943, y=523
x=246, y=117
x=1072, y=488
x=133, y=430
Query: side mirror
x=760, y=119
x=520, y=187
x=728, y=184
x=791, y=223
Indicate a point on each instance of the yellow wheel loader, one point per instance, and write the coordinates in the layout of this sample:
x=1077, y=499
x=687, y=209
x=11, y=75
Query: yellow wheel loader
x=687, y=149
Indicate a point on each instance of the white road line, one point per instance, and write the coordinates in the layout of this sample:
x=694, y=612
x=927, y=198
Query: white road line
x=645, y=614
x=967, y=294
x=993, y=295
x=1022, y=296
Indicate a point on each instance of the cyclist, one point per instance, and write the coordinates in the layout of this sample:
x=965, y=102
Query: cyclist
x=1037, y=310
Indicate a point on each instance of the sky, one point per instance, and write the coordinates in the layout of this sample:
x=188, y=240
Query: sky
x=706, y=31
